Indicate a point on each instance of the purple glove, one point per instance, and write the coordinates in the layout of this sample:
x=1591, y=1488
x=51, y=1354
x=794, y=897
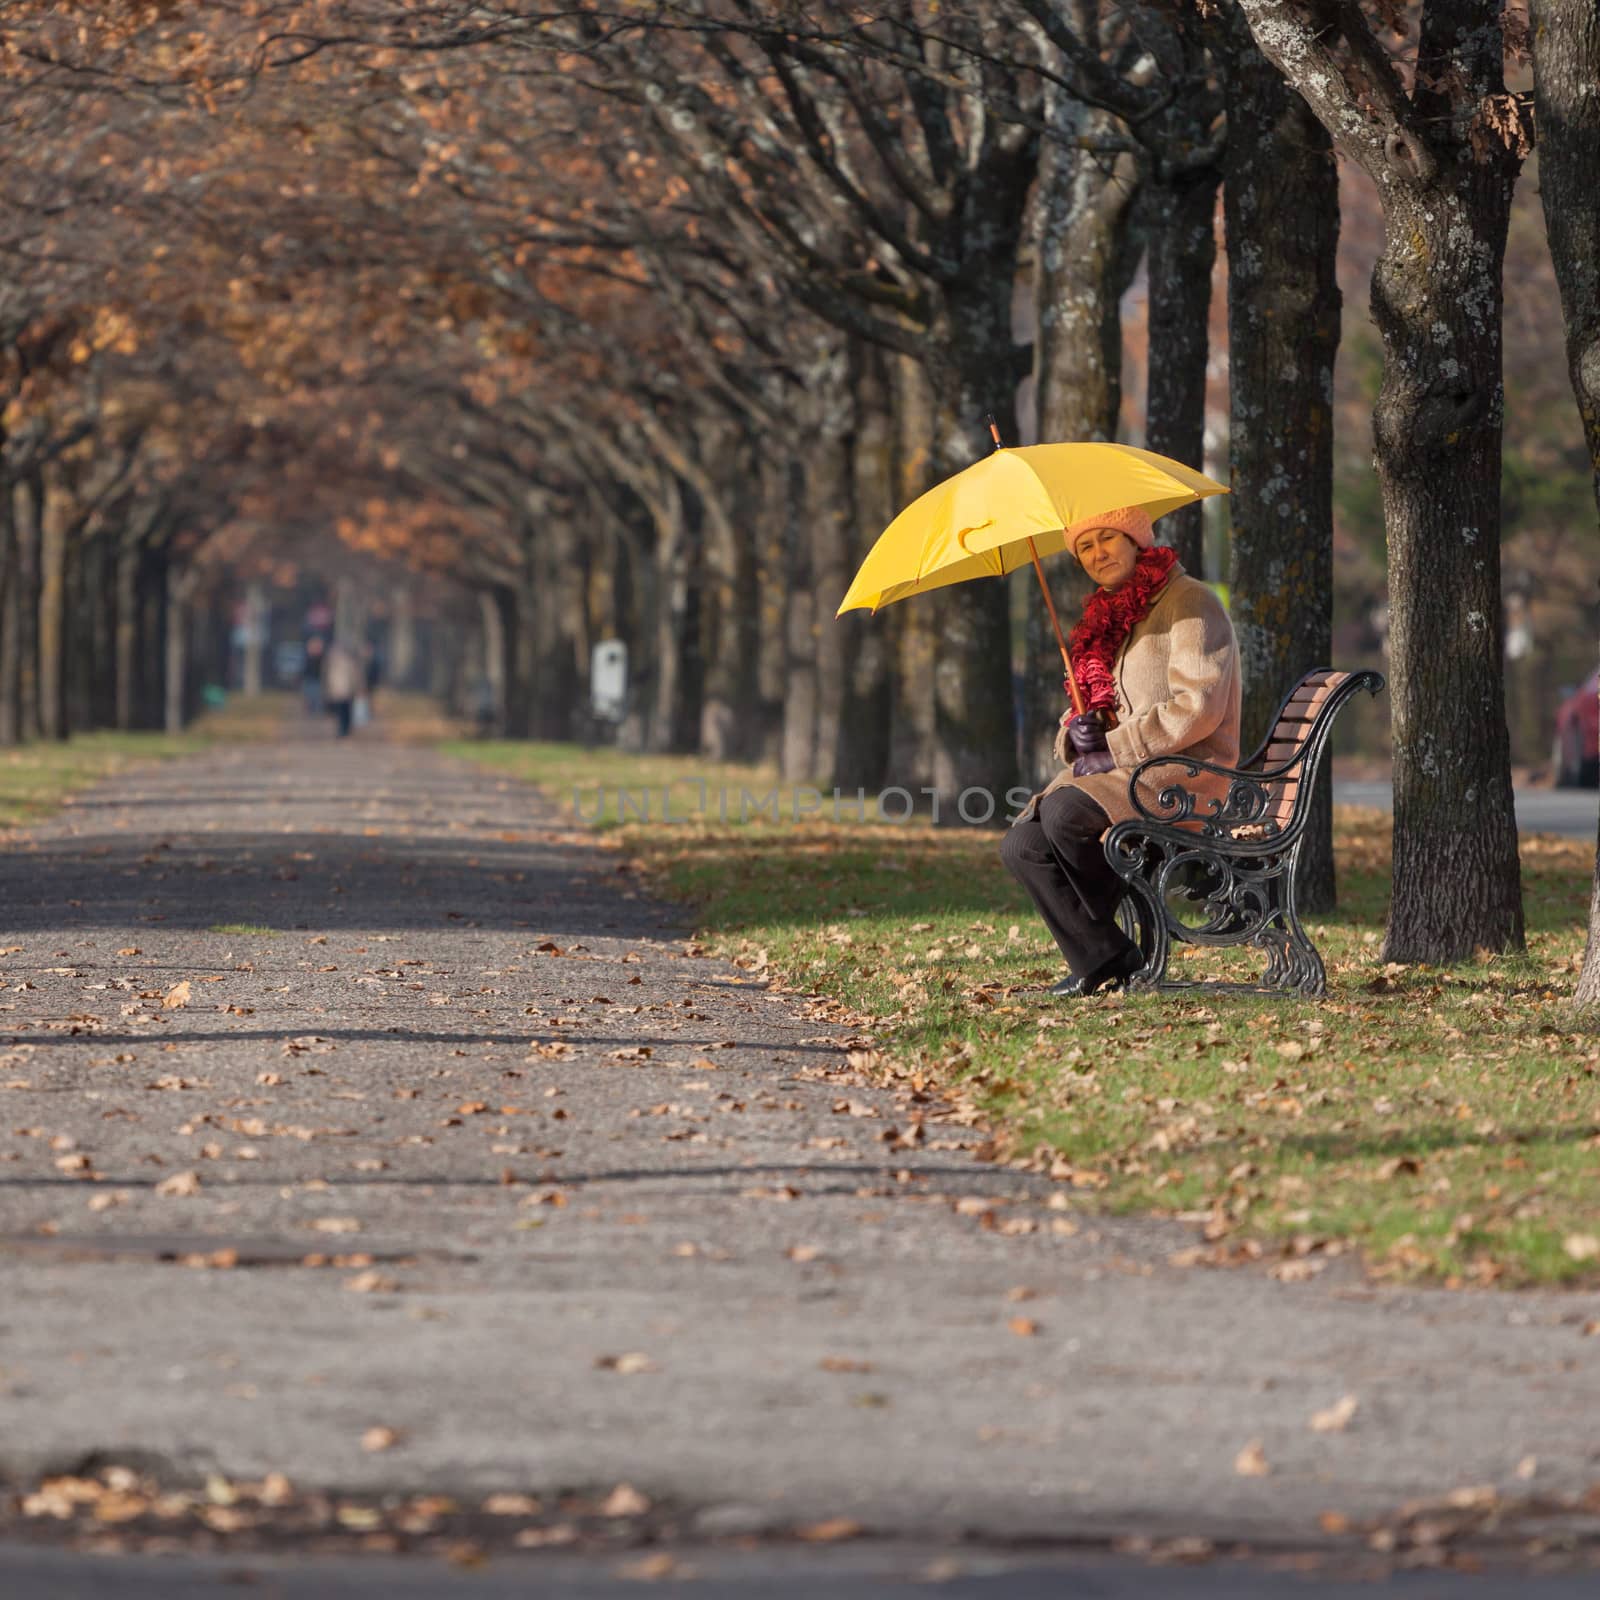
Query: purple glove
x=1093, y=761
x=1087, y=733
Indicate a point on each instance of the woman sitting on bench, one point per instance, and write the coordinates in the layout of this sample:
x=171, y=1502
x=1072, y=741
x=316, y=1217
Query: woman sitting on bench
x=1158, y=665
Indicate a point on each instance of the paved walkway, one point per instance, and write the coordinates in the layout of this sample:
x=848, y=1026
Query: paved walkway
x=629, y=1218
x=1571, y=812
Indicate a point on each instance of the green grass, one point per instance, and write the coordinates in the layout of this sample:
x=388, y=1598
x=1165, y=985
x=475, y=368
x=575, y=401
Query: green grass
x=36, y=778
x=254, y=929
x=1446, y=1121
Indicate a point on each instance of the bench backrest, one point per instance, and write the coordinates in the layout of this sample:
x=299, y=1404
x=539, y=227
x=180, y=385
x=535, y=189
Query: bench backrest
x=1290, y=733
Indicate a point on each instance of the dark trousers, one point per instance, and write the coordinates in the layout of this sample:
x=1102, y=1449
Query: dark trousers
x=1058, y=857
x=341, y=716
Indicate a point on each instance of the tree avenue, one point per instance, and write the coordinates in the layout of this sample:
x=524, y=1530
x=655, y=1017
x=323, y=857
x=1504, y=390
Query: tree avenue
x=640, y=322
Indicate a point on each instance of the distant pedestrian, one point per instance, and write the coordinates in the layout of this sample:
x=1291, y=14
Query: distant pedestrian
x=342, y=681
x=311, y=674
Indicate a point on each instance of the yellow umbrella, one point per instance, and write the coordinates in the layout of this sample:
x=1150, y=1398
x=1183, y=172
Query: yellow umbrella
x=1008, y=510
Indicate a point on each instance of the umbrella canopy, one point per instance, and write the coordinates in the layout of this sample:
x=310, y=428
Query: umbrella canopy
x=1005, y=511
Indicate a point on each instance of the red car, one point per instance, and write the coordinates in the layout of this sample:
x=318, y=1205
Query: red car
x=1577, y=750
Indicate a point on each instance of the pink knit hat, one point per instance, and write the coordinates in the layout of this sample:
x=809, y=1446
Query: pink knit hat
x=1131, y=520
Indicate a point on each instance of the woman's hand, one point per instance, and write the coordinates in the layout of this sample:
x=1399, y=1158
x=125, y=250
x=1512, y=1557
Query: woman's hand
x=1087, y=733
x=1093, y=761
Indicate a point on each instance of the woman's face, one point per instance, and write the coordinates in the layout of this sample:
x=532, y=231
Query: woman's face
x=1108, y=555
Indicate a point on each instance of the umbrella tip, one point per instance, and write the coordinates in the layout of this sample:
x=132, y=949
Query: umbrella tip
x=994, y=430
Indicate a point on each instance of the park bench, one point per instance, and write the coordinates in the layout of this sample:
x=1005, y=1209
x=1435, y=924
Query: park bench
x=1215, y=871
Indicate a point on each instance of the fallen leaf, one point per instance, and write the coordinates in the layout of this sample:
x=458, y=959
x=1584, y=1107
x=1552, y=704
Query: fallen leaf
x=371, y=1282
x=179, y=1184
x=380, y=1438
x=1581, y=1246
x=542, y=1538
x=176, y=997
x=830, y=1531
x=1396, y=1166
x=624, y=1501
x=276, y=1490
x=1023, y=1327
x=1251, y=1462
x=1337, y=1416
x=649, y=1569
x=843, y=1364
x=627, y=1364
x=803, y=1252
x=336, y=1225
x=511, y=1505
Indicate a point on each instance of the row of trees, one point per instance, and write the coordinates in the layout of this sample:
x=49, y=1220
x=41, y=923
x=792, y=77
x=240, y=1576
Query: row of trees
x=641, y=320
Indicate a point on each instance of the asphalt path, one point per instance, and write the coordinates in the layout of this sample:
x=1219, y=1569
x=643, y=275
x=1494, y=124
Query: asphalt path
x=361, y=1121
x=1572, y=812
x=887, y=1572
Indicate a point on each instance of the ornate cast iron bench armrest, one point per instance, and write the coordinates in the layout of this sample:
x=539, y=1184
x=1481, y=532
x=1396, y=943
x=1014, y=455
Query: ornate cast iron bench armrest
x=1247, y=801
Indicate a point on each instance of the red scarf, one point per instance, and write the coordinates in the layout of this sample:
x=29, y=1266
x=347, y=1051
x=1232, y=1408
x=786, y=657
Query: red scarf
x=1109, y=616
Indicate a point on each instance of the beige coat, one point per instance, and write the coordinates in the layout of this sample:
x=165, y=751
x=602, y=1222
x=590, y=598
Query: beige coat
x=341, y=675
x=1177, y=692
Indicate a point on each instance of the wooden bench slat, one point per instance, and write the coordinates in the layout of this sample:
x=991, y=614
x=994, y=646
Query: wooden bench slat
x=1303, y=706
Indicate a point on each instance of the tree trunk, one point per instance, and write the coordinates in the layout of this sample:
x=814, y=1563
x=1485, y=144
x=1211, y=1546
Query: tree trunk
x=912, y=630
x=861, y=754
x=676, y=608
x=1436, y=298
x=402, y=639
x=772, y=647
x=257, y=624
x=731, y=617
x=1085, y=256
x=830, y=516
x=1444, y=178
x=126, y=668
x=495, y=608
x=51, y=520
x=1281, y=203
x=1180, y=216
x=175, y=700
x=10, y=608
x=149, y=704
x=798, y=751
x=503, y=645
x=26, y=507
x=524, y=687
x=83, y=610
x=1566, y=68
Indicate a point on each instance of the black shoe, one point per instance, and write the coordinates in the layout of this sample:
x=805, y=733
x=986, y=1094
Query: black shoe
x=1114, y=975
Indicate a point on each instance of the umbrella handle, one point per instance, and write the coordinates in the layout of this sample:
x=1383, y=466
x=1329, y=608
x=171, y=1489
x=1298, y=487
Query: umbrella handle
x=1073, y=691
